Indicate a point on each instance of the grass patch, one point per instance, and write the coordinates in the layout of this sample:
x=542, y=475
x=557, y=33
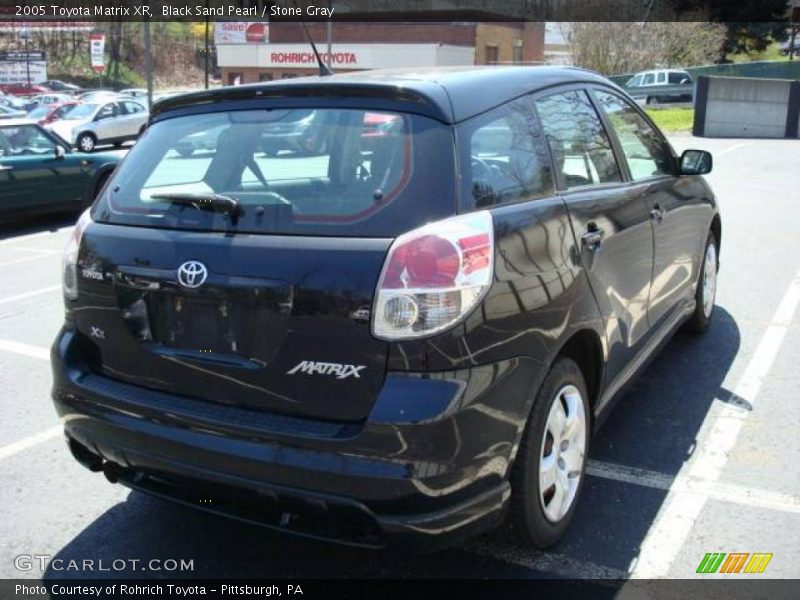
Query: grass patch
x=672, y=120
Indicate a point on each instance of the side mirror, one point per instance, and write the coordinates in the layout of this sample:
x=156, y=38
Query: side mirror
x=696, y=162
x=60, y=152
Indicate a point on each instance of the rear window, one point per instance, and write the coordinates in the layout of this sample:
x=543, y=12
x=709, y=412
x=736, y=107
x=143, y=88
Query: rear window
x=316, y=171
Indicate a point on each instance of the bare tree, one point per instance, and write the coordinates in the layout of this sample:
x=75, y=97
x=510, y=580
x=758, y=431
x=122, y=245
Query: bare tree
x=615, y=47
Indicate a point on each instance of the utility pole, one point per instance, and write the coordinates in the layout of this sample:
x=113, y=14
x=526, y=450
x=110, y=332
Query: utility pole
x=148, y=64
x=206, y=49
x=330, y=34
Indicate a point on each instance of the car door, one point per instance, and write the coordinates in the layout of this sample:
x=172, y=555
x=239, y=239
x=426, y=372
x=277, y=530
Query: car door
x=676, y=214
x=610, y=221
x=33, y=177
x=105, y=122
x=133, y=117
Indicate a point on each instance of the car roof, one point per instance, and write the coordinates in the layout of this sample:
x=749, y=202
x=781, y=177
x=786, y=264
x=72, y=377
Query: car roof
x=450, y=94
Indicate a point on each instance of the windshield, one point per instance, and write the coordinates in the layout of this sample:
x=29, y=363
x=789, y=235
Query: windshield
x=38, y=113
x=311, y=171
x=81, y=111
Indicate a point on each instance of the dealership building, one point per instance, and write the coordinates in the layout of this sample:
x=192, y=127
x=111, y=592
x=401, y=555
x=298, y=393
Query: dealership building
x=249, y=52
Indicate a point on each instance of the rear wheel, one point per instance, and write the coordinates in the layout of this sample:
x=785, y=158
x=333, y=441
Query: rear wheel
x=86, y=142
x=706, y=292
x=548, y=474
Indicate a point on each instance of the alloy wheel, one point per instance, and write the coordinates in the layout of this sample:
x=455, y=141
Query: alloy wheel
x=709, y=280
x=562, y=453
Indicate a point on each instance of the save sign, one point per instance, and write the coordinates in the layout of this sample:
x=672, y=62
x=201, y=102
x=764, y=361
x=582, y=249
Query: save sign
x=97, y=43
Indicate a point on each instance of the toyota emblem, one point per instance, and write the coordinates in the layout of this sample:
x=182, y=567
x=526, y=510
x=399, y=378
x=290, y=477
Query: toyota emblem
x=192, y=274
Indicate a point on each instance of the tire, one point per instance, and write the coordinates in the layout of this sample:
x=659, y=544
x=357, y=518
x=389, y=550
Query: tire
x=536, y=514
x=706, y=288
x=86, y=142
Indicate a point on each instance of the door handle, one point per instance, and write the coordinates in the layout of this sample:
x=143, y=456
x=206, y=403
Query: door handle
x=6, y=168
x=657, y=214
x=592, y=239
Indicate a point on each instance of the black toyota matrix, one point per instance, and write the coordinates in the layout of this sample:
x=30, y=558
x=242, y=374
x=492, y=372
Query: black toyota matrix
x=400, y=325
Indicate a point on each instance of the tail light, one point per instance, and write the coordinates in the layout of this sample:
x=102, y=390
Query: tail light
x=70, y=259
x=433, y=277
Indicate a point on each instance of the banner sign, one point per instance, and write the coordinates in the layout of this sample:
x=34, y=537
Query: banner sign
x=241, y=32
x=97, y=46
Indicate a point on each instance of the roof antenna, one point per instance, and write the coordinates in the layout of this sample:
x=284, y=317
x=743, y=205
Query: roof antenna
x=324, y=71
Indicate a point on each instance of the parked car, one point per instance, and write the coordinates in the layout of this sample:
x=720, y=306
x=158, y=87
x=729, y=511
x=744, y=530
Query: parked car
x=95, y=95
x=23, y=89
x=56, y=85
x=134, y=92
x=396, y=344
x=662, y=85
x=12, y=102
x=40, y=174
x=11, y=113
x=46, y=99
x=48, y=113
x=106, y=122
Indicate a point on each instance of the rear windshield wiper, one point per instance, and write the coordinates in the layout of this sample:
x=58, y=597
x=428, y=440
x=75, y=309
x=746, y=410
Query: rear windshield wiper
x=212, y=202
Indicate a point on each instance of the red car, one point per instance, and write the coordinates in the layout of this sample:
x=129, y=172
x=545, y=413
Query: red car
x=23, y=89
x=47, y=113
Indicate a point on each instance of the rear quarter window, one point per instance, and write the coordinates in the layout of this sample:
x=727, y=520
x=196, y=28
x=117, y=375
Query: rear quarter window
x=504, y=157
x=316, y=171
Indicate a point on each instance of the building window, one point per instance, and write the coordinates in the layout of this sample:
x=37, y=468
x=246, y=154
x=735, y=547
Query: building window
x=289, y=75
x=517, y=51
x=492, y=54
x=265, y=76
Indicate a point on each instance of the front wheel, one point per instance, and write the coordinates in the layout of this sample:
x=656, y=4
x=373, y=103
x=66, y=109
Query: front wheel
x=548, y=474
x=86, y=142
x=706, y=292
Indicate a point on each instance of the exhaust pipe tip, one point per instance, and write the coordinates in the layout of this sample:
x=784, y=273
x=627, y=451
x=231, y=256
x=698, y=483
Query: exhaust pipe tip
x=112, y=471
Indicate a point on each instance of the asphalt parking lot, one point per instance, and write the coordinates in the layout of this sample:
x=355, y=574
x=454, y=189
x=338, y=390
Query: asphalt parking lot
x=702, y=455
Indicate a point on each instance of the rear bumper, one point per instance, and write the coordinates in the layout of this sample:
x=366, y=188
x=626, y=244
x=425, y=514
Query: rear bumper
x=430, y=464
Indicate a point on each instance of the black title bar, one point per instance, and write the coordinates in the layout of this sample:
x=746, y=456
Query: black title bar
x=391, y=10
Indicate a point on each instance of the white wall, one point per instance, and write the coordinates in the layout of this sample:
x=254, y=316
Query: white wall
x=747, y=107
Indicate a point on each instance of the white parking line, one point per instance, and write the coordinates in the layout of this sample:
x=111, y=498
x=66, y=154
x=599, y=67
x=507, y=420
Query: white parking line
x=732, y=148
x=25, y=349
x=33, y=236
x=23, y=259
x=13, y=448
x=548, y=562
x=728, y=492
x=38, y=292
x=680, y=509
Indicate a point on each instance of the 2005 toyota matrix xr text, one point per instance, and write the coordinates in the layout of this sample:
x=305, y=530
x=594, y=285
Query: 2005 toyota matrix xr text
x=402, y=332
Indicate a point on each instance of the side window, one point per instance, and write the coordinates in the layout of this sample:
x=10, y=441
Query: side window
x=635, y=81
x=132, y=108
x=662, y=77
x=645, y=151
x=579, y=144
x=24, y=140
x=109, y=110
x=506, y=158
x=649, y=79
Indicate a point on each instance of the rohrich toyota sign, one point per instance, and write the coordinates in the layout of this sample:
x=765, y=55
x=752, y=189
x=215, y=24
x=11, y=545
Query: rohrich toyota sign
x=292, y=59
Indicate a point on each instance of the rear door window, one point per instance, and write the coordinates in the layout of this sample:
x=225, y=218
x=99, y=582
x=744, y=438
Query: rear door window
x=578, y=141
x=317, y=171
x=507, y=157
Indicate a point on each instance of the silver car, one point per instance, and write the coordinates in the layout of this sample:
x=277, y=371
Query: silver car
x=111, y=121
